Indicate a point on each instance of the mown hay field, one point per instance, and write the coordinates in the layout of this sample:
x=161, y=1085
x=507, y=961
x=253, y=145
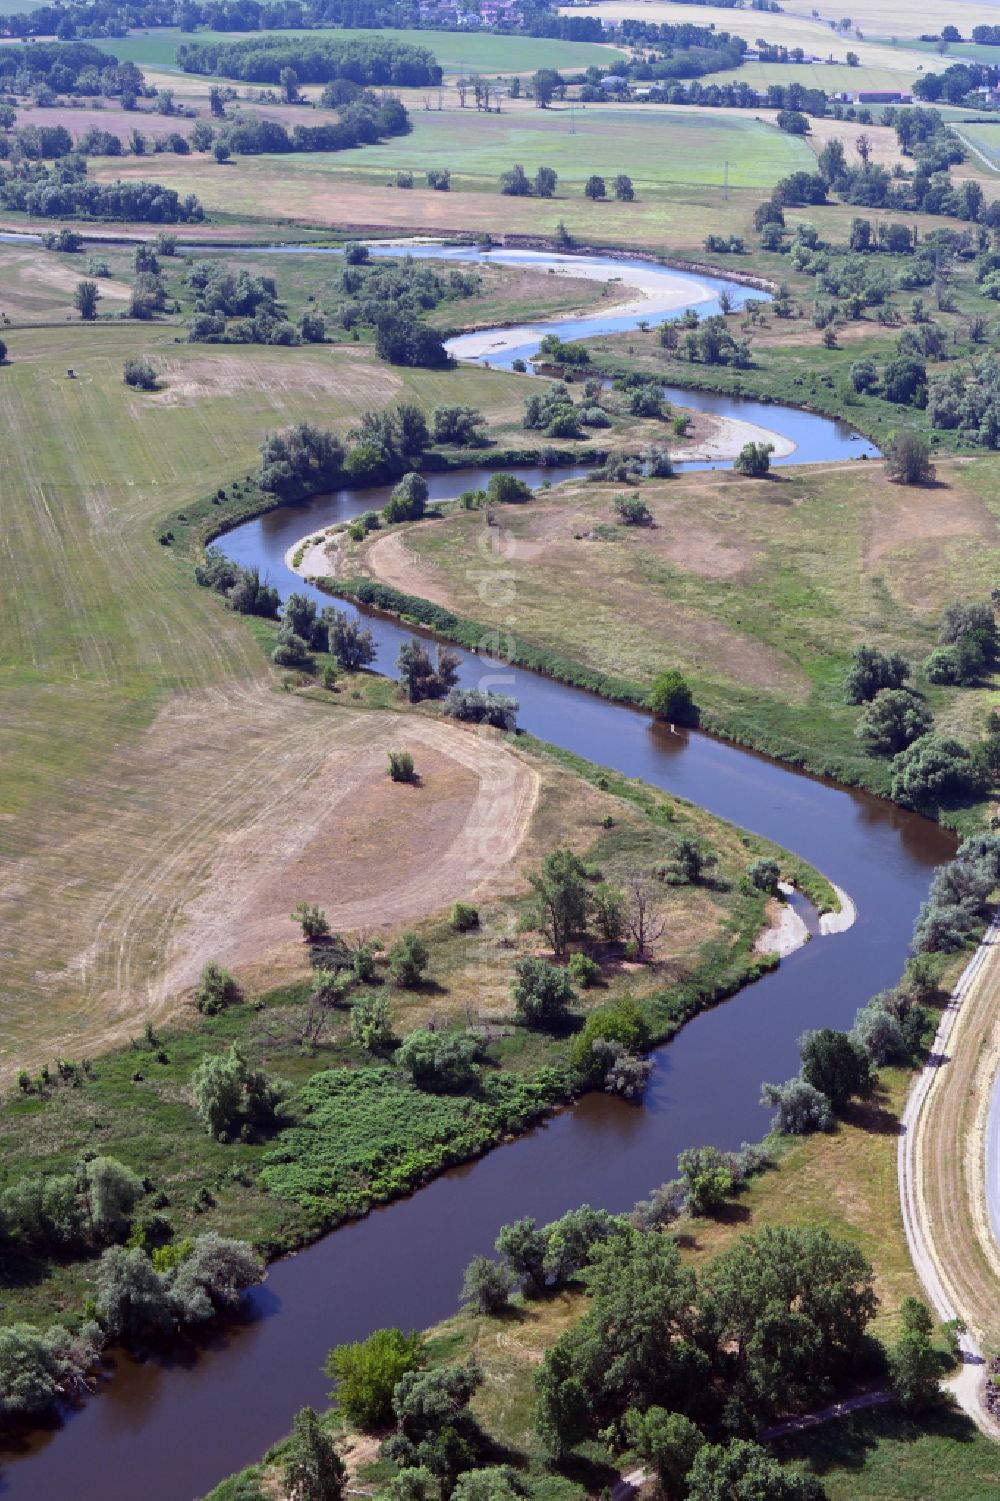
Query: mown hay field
x=140, y=726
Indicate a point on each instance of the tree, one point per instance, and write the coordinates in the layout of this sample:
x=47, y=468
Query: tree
x=367, y=1372
x=754, y=459
x=800, y=1108
x=932, y=770
x=407, y=501
x=545, y=182
x=908, y=461
x=524, y=1247
x=130, y=1296
x=313, y=921
x=407, y=961
x=411, y=429
x=743, y=1471
x=493, y=1483
x=371, y=1023
x=608, y=911
x=85, y=299
x=544, y=85
x=643, y=922
x=39, y=1367
x=561, y=899
x=622, y=1023
x=457, y=425
x=515, y=183
x=439, y=1061
x=3, y=352
x=669, y=1441
x=624, y=191
x=229, y=1093
x=313, y=1469
x=420, y=677
x=565, y=1417
x=221, y=152
x=434, y=1425
x=140, y=374
x=595, y=188
x=872, y=670
x=691, y=860
x=670, y=698
x=352, y=645
x=111, y=1191
x=289, y=80
x=835, y=1066
x=542, y=993
x=892, y=720
x=487, y=1285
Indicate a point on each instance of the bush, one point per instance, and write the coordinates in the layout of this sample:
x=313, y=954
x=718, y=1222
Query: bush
x=291, y=650
x=541, y=992
x=621, y=1023
x=313, y=921
x=367, y=1372
x=438, y=1060
x=140, y=374
x=476, y=706
x=371, y=1026
x=229, y=1093
x=216, y=990
x=401, y=766
x=800, y=1107
x=464, y=917
x=670, y=698
x=584, y=971
x=407, y=961
x=632, y=511
x=764, y=874
x=507, y=489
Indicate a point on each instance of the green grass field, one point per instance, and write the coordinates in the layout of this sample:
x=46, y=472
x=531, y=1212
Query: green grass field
x=984, y=137
x=457, y=51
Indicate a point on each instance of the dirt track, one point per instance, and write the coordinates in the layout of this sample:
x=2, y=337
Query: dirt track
x=941, y=1174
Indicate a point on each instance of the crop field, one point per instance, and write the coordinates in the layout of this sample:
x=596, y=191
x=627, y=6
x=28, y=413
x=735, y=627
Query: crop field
x=457, y=51
x=757, y=591
x=139, y=730
x=831, y=77
x=879, y=19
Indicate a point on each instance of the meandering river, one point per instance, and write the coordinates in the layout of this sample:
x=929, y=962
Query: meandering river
x=168, y=1429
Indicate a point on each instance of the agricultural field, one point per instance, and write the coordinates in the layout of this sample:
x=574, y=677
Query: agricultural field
x=139, y=722
x=458, y=52
x=983, y=138
x=878, y=19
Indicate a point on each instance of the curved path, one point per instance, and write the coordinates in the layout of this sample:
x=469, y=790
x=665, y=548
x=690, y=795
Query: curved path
x=941, y=1172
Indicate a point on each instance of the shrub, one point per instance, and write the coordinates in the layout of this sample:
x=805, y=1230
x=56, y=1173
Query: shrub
x=708, y=1178
x=764, y=874
x=438, y=1060
x=632, y=511
x=401, y=766
x=800, y=1107
x=478, y=706
x=291, y=650
x=229, y=1093
x=313, y=921
x=371, y=1027
x=507, y=489
x=367, y=1372
x=216, y=990
x=541, y=992
x=621, y=1023
x=879, y=1034
x=408, y=959
x=583, y=971
x=140, y=374
x=464, y=917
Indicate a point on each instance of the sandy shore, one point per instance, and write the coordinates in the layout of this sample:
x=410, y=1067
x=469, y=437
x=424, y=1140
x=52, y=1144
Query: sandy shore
x=787, y=932
x=839, y=922
x=660, y=291
x=729, y=435
x=315, y=562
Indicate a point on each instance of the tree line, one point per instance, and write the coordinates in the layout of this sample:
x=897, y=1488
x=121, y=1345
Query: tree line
x=373, y=61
